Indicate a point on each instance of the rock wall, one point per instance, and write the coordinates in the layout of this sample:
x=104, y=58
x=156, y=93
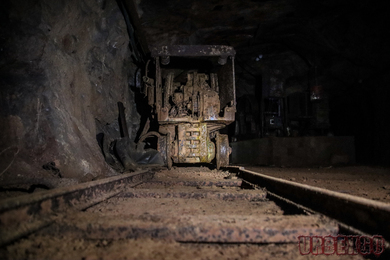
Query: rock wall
x=64, y=65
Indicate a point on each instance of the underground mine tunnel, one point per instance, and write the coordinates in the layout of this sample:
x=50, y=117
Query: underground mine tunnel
x=310, y=90
x=310, y=81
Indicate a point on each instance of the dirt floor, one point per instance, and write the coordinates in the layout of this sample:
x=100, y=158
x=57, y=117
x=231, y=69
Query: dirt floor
x=368, y=182
x=363, y=181
x=40, y=247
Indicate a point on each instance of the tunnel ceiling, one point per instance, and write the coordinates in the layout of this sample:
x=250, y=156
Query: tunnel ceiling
x=350, y=30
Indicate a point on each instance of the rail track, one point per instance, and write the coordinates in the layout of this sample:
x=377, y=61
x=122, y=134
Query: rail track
x=222, y=210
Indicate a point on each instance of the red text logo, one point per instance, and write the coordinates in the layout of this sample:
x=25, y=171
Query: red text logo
x=341, y=245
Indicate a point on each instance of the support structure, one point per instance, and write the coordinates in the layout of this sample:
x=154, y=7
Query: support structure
x=192, y=95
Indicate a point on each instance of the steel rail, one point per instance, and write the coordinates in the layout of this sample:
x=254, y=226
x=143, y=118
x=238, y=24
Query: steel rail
x=23, y=215
x=368, y=216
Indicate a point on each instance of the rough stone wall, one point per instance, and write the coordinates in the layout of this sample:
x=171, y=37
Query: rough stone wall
x=64, y=65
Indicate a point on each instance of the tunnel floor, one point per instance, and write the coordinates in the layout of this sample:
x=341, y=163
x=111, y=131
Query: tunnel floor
x=69, y=244
x=363, y=181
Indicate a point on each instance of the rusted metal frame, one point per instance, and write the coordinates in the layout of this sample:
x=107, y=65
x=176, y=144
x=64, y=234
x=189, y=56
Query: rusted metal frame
x=168, y=90
x=24, y=215
x=169, y=151
x=227, y=91
x=221, y=120
x=212, y=126
x=368, y=216
x=234, y=83
x=149, y=134
x=193, y=50
x=223, y=150
x=158, y=94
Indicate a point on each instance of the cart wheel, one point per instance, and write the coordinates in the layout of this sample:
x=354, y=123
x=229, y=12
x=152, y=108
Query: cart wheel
x=223, y=150
x=169, y=147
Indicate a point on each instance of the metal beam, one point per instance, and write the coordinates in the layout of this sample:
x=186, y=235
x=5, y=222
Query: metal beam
x=193, y=50
x=370, y=217
x=23, y=215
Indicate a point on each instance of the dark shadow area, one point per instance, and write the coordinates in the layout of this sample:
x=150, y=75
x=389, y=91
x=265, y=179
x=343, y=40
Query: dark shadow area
x=31, y=189
x=185, y=165
x=141, y=101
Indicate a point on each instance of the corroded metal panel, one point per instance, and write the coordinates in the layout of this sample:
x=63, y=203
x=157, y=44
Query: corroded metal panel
x=193, y=50
x=23, y=215
x=223, y=150
x=194, y=145
x=202, y=98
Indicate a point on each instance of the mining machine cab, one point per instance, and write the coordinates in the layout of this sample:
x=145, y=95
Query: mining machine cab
x=192, y=95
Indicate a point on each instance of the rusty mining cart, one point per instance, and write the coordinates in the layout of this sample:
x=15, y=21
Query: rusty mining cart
x=192, y=94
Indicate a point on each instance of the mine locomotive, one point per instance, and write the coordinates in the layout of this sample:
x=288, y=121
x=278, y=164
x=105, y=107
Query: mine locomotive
x=192, y=96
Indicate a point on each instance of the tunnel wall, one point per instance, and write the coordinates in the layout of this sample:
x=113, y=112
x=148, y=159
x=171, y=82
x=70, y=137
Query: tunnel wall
x=64, y=65
x=295, y=151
